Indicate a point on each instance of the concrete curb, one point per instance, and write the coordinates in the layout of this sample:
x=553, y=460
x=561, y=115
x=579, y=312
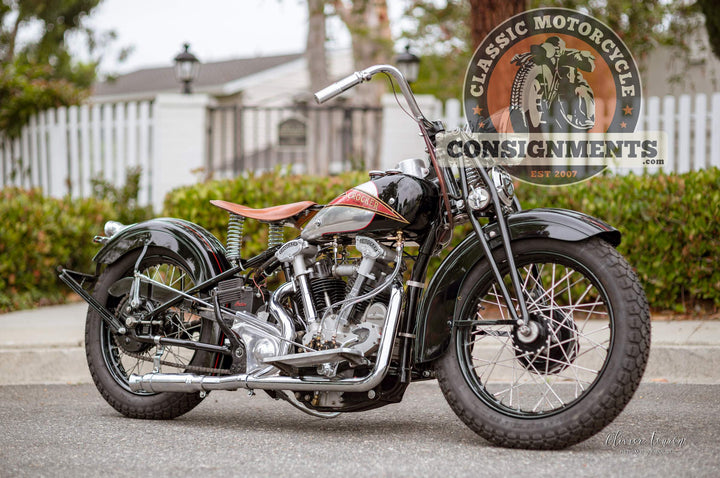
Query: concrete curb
x=43, y=366
x=698, y=364
x=46, y=346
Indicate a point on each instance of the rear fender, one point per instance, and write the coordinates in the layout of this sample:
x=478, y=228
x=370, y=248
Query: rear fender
x=204, y=253
x=439, y=304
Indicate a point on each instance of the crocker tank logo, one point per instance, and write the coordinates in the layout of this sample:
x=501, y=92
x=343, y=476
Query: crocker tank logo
x=361, y=199
x=552, y=71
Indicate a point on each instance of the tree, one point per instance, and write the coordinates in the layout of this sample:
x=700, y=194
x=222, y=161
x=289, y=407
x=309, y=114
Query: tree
x=315, y=48
x=372, y=43
x=642, y=26
x=41, y=73
x=711, y=10
x=448, y=34
x=441, y=33
x=28, y=89
x=369, y=27
x=487, y=14
x=452, y=31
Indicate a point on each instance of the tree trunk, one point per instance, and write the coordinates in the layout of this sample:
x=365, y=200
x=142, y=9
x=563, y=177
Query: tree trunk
x=317, y=149
x=10, y=52
x=488, y=14
x=369, y=26
x=315, y=48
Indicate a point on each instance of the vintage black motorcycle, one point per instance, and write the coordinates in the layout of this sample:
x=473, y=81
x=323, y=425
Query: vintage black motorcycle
x=535, y=327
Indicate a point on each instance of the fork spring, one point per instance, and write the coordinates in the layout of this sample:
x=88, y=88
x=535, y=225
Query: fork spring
x=473, y=177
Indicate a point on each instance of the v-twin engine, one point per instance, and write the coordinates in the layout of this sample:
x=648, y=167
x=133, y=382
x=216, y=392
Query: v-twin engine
x=350, y=312
x=159, y=382
x=343, y=322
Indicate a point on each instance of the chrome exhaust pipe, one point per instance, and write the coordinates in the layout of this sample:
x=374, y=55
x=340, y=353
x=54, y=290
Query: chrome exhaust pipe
x=186, y=382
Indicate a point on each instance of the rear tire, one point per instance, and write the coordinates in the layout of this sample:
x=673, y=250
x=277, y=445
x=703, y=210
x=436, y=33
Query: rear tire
x=577, y=374
x=112, y=361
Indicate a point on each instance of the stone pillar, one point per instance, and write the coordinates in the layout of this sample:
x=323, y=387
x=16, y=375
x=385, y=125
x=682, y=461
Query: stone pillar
x=180, y=142
x=400, y=134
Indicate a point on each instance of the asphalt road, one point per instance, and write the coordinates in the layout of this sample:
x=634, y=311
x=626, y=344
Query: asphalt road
x=68, y=430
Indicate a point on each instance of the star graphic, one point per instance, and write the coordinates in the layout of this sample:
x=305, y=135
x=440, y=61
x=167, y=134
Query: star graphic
x=623, y=125
x=477, y=110
x=627, y=110
x=481, y=125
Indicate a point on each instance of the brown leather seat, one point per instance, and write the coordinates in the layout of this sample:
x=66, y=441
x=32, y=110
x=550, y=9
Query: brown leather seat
x=268, y=214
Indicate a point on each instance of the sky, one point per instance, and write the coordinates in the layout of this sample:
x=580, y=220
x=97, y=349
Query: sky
x=216, y=29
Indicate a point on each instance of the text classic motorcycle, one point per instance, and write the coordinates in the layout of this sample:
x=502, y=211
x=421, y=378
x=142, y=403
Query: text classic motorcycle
x=536, y=329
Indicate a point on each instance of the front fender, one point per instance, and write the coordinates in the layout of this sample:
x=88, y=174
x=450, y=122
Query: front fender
x=437, y=308
x=203, y=252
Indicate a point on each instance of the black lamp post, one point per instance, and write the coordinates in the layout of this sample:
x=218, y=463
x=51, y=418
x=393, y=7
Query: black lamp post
x=408, y=64
x=187, y=67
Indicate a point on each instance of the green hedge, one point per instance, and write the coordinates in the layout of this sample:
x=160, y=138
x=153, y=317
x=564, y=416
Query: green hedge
x=264, y=190
x=37, y=235
x=669, y=223
x=670, y=226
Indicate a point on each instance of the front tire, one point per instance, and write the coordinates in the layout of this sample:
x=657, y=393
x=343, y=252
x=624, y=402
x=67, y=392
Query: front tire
x=577, y=368
x=112, y=358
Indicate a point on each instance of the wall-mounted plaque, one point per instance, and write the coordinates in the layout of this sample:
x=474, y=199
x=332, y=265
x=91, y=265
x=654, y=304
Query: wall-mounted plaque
x=292, y=132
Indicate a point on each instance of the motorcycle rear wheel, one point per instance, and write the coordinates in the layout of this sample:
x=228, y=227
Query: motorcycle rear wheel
x=579, y=367
x=112, y=358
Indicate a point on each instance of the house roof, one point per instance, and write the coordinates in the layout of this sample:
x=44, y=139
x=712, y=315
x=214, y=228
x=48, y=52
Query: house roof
x=211, y=74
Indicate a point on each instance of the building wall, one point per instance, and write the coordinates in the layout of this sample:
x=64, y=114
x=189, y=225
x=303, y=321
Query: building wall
x=675, y=71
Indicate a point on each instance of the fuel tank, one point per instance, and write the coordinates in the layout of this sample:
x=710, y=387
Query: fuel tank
x=379, y=207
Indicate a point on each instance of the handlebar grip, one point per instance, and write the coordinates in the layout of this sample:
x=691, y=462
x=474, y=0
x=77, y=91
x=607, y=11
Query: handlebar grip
x=338, y=87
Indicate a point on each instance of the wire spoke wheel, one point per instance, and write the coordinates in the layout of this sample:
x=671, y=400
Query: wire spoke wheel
x=124, y=357
x=562, y=356
x=574, y=367
x=113, y=358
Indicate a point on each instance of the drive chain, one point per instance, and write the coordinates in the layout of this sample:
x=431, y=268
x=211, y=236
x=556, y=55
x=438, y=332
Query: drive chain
x=187, y=368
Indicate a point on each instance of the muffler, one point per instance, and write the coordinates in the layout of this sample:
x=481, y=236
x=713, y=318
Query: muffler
x=270, y=380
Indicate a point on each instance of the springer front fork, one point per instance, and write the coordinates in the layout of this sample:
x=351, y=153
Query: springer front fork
x=521, y=320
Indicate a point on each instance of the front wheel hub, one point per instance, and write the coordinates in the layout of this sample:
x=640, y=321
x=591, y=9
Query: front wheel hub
x=549, y=346
x=529, y=333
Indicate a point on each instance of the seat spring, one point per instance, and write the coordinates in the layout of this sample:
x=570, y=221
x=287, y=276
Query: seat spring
x=236, y=225
x=275, y=235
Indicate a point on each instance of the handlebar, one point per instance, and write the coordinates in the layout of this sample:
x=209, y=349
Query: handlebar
x=338, y=87
x=365, y=75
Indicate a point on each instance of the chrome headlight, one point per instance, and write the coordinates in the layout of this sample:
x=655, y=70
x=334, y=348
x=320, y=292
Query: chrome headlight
x=503, y=184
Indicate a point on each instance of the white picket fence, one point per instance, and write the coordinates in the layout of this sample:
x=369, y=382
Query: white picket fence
x=692, y=128
x=61, y=150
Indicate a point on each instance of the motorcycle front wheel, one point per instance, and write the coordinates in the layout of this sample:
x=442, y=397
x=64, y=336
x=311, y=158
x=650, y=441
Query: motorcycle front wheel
x=574, y=368
x=113, y=358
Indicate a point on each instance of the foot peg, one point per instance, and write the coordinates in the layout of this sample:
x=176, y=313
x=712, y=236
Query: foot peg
x=292, y=362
